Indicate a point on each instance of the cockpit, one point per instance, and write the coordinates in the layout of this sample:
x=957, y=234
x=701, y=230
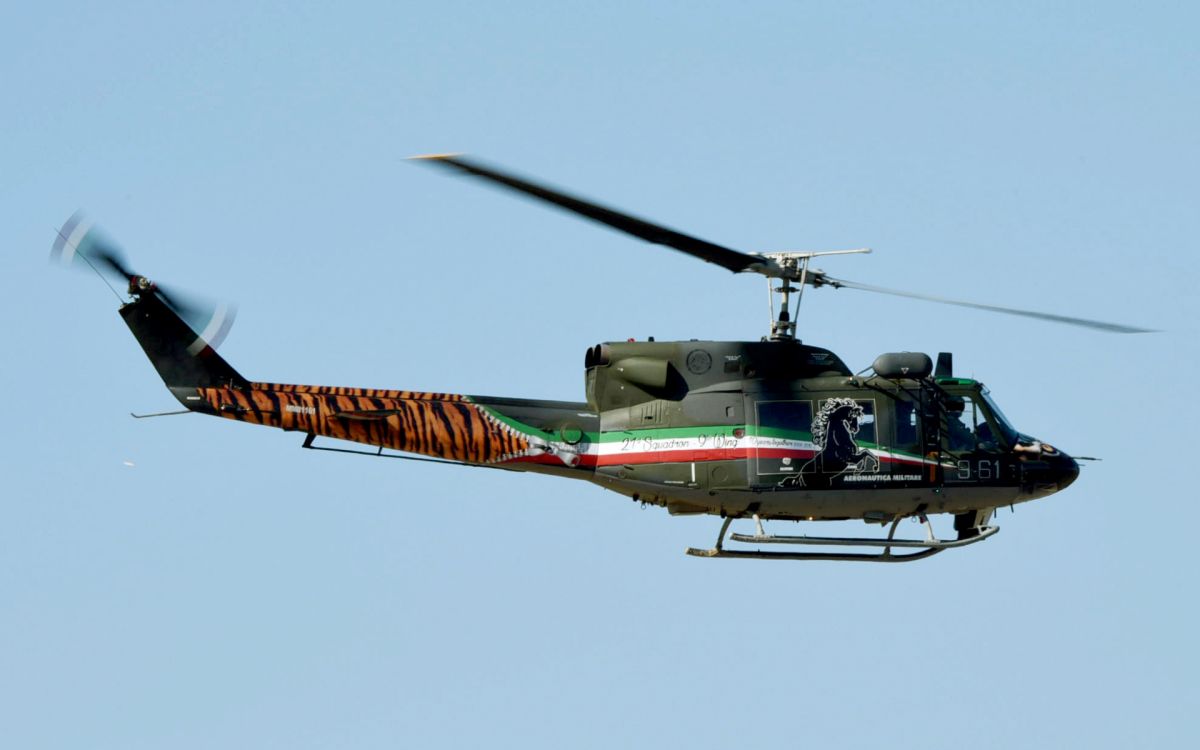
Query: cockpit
x=974, y=422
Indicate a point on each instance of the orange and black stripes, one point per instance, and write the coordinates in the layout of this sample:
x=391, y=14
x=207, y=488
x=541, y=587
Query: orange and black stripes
x=441, y=425
x=329, y=390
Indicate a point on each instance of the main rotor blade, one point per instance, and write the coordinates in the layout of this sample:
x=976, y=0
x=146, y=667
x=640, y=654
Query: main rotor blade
x=659, y=235
x=1084, y=322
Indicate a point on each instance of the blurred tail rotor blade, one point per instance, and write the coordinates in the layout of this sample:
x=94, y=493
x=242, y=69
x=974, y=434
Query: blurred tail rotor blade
x=79, y=240
x=1083, y=322
x=211, y=321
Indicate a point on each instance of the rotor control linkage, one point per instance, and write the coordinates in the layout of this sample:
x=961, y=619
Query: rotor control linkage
x=789, y=267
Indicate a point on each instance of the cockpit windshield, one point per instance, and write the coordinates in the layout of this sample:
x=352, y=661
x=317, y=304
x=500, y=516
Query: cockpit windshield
x=1006, y=429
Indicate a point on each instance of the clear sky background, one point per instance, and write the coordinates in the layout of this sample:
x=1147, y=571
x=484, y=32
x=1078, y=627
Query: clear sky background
x=231, y=590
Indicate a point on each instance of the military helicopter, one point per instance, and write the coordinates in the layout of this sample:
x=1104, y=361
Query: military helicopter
x=769, y=430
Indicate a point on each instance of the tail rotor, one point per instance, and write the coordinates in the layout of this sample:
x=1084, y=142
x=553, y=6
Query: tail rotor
x=80, y=243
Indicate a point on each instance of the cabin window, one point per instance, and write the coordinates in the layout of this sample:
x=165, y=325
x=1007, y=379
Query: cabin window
x=908, y=435
x=860, y=421
x=784, y=437
x=867, y=430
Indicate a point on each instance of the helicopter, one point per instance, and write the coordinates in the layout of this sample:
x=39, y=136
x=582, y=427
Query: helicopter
x=770, y=430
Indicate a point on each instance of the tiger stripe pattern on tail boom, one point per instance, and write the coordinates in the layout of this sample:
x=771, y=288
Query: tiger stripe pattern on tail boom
x=446, y=426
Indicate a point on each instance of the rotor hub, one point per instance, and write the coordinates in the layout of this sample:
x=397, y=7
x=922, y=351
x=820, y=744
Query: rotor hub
x=791, y=267
x=139, y=285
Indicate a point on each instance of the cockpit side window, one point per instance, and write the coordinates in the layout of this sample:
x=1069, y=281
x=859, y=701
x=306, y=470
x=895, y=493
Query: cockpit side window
x=967, y=428
x=972, y=424
x=958, y=434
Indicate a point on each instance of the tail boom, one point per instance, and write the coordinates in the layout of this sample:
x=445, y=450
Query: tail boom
x=547, y=436
x=515, y=433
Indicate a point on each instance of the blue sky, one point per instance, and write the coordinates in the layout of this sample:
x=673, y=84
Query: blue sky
x=230, y=590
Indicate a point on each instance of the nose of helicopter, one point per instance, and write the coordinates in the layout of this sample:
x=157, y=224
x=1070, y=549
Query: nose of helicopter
x=1051, y=471
x=1067, y=469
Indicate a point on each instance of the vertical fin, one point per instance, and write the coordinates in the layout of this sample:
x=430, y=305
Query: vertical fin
x=171, y=345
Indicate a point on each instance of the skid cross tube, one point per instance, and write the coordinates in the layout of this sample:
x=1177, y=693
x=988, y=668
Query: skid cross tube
x=927, y=547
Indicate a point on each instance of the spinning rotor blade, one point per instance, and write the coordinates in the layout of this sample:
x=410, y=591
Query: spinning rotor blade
x=211, y=321
x=80, y=241
x=1094, y=324
x=659, y=235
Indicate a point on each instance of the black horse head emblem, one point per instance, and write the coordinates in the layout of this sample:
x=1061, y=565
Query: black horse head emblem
x=833, y=431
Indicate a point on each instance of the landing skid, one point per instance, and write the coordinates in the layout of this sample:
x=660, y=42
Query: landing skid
x=927, y=547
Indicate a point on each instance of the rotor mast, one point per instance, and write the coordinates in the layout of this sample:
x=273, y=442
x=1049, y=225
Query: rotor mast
x=789, y=267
